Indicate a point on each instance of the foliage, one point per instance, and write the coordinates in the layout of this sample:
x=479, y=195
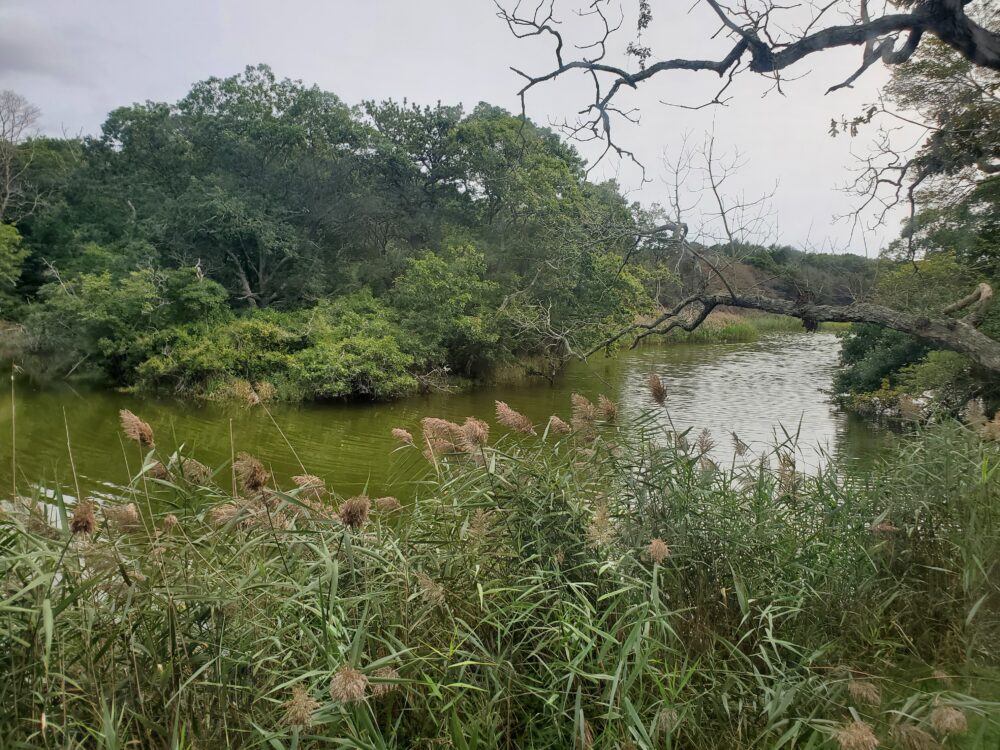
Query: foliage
x=12, y=257
x=338, y=349
x=587, y=591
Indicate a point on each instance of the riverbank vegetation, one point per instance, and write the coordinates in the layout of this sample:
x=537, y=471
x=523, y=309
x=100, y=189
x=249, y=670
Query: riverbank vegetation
x=575, y=584
x=261, y=233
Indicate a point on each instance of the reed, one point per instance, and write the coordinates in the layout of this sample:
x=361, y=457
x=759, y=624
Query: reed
x=604, y=587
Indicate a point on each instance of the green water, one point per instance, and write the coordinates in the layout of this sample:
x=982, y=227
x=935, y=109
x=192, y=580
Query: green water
x=754, y=389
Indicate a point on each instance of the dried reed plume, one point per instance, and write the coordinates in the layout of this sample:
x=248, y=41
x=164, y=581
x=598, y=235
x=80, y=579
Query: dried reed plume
x=479, y=526
x=310, y=487
x=125, y=517
x=223, y=515
x=348, y=685
x=948, y=720
x=473, y=435
x=402, y=436
x=387, y=677
x=387, y=504
x=856, y=736
x=353, y=512
x=606, y=408
x=83, y=521
x=943, y=677
x=194, y=471
x=250, y=472
x=666, y=720
x=584, y=411
x=863, y=691
x=299, y=708
x=600, y=532
x=658, y=550
x=135, y=429
x=169, y=522
x=158, y=471
x=739, y=446
x=431, y=591
x=912, y=737
x=656, y=388
x=704, y=443
x=557, y=425
x=884, y=526
x=513, y=420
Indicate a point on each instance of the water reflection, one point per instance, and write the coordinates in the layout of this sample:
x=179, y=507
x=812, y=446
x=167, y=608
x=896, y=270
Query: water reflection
x=753, y=389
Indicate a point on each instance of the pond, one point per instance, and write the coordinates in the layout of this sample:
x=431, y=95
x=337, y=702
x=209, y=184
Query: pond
x=758, y=390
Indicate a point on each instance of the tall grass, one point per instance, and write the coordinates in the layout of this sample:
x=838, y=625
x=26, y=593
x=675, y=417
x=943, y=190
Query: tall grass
x=602, y=588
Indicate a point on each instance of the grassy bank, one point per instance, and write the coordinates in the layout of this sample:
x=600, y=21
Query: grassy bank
x=588, y=586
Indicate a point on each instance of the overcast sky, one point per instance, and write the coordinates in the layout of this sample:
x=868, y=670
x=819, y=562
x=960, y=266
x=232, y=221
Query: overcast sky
x=78, y=60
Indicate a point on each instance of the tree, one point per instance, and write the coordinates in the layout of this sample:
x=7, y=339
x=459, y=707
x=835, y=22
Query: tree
x=18, y=119
x=759, y=41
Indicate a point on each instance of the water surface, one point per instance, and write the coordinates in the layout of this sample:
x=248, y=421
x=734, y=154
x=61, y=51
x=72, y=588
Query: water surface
x=759, y=390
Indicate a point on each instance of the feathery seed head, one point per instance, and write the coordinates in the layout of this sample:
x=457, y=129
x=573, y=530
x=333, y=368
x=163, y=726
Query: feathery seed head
x=299, y=708
x=513, y=420
x=83, y=521
x=402, y=436
x=125, y=517
x=250, y=472
x=557, y=425
x=135, y=429
x=948, y=720
x=656, y=388
x=310, y=487
x=387, y=504
x=348, y=685
x=195, y=472
x=912, y=737
x=863, y=691
x=473, y=434
x=606, y=408
x=856, y=736
x=386, y=684
x=658, y=550
x=353, y=512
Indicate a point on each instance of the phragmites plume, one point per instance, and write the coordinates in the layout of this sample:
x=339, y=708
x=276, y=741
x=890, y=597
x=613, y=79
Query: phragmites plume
x=856, y=736
x=310, y=487
x=991, y=430
x=387, y=681
x=83, y=521
x=402, y=436
x=169, y=522
x=704, y=443
x=883, y=527
x=348, y=685
x=513, y=420
x=431, y=591
x=473, y=435
x=135, y=429
x=299, y=708
x=943, y=677
x=387, y=504
x=600, y=533
x=158, y=471
x=863, y=691
x=658, y=550
x=557, y=425
x=606, y=408
x=584, y=411
x=948, y=720
x=221, y=515
x=125, y=517
x=739, y=447
x=440, y=436
x=656, y=388
x=194, y=471
x=250, y=472
x=353, y=512
x=480, y=525
x=912, y=737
